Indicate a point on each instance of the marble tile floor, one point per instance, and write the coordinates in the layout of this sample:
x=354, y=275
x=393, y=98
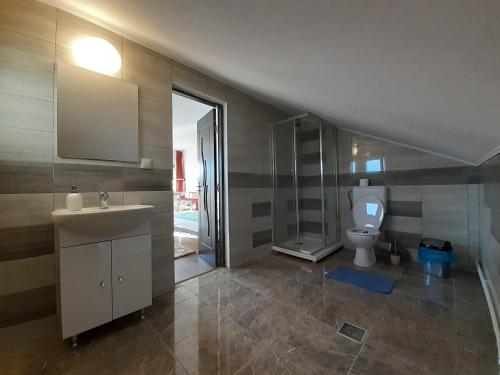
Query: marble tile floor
x=278, y=315
x=190, y=266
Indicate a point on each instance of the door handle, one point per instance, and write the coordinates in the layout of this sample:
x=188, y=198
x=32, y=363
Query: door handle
x=101, y=284
x=120, y=279
x=204, y=182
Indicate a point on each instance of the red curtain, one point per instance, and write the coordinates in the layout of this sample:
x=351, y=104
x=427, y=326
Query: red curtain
x=179, y=171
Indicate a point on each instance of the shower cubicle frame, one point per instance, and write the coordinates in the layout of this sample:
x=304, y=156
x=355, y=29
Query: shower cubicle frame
x=326, y=249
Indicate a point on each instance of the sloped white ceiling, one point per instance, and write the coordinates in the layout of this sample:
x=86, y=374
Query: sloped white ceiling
x=425, y=73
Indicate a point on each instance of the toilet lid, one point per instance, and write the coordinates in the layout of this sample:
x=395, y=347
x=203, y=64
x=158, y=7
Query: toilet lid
x=368, y=212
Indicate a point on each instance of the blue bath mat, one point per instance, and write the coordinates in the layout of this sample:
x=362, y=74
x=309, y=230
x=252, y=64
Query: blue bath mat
x=363, y=279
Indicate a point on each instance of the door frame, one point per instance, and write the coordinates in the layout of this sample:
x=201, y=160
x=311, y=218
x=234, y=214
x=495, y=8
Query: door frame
x=219, y=168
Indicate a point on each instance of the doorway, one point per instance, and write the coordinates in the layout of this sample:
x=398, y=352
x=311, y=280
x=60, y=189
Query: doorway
x=197, y=185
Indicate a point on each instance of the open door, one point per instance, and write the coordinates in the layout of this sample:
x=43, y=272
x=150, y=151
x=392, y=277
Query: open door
x=207, y=226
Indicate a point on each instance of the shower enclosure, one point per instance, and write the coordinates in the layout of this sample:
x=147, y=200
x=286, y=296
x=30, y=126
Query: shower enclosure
x=305, y=210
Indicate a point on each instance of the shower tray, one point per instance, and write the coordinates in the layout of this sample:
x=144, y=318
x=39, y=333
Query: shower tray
x=313, y=255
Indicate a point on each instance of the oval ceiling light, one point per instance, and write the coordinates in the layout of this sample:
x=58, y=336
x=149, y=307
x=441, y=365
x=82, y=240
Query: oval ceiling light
x=97, y=54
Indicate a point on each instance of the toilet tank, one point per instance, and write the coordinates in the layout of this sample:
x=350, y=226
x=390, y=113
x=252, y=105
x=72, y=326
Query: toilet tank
x=379, y=192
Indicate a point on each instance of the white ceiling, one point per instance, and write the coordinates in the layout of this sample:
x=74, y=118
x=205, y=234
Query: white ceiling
x=424, y=73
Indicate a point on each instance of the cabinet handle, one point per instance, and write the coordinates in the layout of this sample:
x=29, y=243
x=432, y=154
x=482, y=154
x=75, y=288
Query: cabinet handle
x=101, y=284
x=120, y=279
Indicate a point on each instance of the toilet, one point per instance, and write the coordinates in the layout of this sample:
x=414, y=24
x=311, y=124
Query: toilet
x=368, y=213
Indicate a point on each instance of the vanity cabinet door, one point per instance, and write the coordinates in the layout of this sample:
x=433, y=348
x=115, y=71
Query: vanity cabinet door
x=86, y=300
x=131, y=270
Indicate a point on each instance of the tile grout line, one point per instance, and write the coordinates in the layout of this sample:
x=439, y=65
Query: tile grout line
x=27, y=66
x=302, y=314
x=178, y=361
x=27, y=97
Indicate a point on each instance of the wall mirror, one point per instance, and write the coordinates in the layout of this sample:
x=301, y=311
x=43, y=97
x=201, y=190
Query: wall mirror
x=97, y=116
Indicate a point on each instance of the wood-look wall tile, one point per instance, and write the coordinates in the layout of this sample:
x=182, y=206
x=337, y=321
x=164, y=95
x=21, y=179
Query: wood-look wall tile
x=403, y=224
x=90, y=199
x=262, y=237
x=22, y=80
x=217, y=90
x=25, y=178
x=29, y=305
x=164, y=285
x=26, y=241
x=161, y=200
x=26, y=50
x=239, y=104
x=154, y=136
x=29, y=17
x=150, y=72
x=445, y=214
x=400, y=158
x=147, y=179
x=260, y=209
x=161, y=156
x=27, y=113
x=188, y=79
x=26, y=274
x=155, y=123
x=162, y=245
x=161, y=267
x=405, y=193
x=435, y=161
x=71, y=28
x=25, y=210
x=25, y=145
x=88, y=177
x=249, y=180
x=162, y=222
x=155, y=113
x=404, y=208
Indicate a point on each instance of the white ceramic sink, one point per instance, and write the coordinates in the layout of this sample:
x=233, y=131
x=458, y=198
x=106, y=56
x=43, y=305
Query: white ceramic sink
x=101, y=223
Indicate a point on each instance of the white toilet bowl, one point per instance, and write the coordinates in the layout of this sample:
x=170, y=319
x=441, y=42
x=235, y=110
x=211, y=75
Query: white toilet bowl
x=363, y=240
x=368, y=214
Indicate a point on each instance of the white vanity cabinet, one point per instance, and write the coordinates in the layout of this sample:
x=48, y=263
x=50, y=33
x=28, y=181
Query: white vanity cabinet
x=131, y=274
x=102, y=274
x=85, y=287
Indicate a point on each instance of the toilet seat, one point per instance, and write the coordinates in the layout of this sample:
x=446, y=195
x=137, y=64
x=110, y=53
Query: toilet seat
x=368, y=213
x=364, y=231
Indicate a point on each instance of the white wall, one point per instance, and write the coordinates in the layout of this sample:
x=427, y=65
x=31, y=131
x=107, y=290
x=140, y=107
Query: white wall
x=185, y=114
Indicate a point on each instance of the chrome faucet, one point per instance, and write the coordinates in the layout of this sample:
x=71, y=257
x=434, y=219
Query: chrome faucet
x=103, y=199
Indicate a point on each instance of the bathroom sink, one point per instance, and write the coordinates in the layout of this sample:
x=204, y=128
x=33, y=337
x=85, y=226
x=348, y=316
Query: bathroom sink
x=95, y=222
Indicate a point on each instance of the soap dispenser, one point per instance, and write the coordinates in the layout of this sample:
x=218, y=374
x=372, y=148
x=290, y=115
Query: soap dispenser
x=74, y=200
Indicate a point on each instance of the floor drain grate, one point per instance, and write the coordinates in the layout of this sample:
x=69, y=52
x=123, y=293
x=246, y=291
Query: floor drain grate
x=351, y=331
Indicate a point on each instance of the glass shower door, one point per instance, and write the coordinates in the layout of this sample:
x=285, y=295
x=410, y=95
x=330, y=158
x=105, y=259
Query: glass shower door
x=305, y=222
x=309, y=187
x=284, y=216
x=329, y=138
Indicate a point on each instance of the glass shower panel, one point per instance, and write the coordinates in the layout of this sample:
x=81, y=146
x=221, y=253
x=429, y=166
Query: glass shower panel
x=309, y=187
x=284, y=188
x=329, y=137
x=305, y=194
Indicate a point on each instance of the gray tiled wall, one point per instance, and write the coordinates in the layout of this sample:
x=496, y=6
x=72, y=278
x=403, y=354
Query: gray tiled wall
x=427, y=195
x=34, y=180
x=249, y=175
x=489, y=236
